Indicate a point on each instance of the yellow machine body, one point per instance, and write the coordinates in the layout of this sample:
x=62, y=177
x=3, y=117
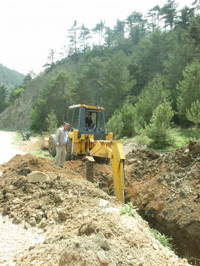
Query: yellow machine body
x=105, y=149
x=96, y=142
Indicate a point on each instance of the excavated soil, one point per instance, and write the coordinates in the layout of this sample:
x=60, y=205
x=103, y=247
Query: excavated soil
x=78, y=223
x=167, y=191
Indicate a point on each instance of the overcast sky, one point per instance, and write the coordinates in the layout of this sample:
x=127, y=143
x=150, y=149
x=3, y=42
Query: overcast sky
x=30, y=28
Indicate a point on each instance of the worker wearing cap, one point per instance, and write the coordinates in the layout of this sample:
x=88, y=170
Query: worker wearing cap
x=61, y=144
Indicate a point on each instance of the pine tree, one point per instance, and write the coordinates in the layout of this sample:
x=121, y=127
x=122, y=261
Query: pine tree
x=52, y=122
x=159, y=128
x=193, y=114
x=188, y=89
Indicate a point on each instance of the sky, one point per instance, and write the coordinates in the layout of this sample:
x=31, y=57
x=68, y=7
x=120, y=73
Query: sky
x=29, y=29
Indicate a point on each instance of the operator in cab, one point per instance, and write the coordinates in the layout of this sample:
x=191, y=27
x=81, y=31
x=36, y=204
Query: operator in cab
x=89, y=123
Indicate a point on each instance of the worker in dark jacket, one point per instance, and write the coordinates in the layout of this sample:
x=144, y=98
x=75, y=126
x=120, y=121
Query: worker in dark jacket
x=89, y=123
x=61, y=144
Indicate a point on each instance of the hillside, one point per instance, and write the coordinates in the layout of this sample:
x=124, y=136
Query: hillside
x=9, y=78
x=136, y=67
x=17, y=116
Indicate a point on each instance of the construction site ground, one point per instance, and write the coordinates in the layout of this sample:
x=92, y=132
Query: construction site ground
x=64, y=219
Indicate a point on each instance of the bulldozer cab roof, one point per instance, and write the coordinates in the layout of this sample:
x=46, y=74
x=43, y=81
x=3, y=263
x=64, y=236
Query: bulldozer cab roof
x=86, y=106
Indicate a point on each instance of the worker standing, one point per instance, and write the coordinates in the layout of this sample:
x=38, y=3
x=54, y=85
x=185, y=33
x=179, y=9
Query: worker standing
x=61, y=144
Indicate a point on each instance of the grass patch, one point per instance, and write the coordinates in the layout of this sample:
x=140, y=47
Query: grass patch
x=42, y=154
x=129, y=209
x=18, y=136
x=179, y=137
x=164, y=240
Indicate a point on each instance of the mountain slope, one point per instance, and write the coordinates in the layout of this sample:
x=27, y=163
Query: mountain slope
x=17, y=116
x=9, y=78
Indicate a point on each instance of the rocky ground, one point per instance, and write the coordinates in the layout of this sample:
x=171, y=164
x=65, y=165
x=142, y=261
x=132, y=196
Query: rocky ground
x=63, y=219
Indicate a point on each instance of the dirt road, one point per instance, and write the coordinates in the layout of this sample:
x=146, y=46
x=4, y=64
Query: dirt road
x=7, y=149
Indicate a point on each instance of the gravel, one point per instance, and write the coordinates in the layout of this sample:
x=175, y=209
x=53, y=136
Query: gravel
x=15, y=239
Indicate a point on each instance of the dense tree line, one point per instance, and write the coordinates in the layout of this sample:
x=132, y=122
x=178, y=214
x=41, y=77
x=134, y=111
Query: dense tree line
x=141, y=69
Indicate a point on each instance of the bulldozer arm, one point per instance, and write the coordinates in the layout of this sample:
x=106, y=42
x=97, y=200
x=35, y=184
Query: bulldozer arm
x=117, y=162
x=109, y=149
x=114, y=151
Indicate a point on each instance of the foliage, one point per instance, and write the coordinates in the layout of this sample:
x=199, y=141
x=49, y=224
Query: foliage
x=129, y=119
x=169, y=13
x=150, y=98
x=180, y=50
x=193, y=114
x=186, y=15
x=50, y=60
x=164, y=240
x=179, y=138
x=115, y=124
x=17, y=93
x=18, y=136
x=142, y=139
x=9, y=78
x=3, y=98
x=188, y=89
x=115, y=81
x=129, y=209
x=27, y=79
x=52, y=122
x=42, y=154
x=123, y=123
x=159, y=128
x=56, y=96
x=88, y=82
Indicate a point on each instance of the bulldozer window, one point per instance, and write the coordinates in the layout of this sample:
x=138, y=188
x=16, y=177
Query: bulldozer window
x=82, y=120
x=101, y=122
x=74, y=115
x=98, y=120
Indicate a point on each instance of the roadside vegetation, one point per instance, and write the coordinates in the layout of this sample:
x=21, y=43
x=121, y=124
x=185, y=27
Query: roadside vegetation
x=178, y=138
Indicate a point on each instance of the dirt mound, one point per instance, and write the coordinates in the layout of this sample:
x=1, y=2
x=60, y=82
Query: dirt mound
x=167, y=191
x=81, y=224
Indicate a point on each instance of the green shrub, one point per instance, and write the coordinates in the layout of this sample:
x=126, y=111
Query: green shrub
x=123, y=123
x=159, y=129
x=115, y=125
x=52, y=122
x=193, y=114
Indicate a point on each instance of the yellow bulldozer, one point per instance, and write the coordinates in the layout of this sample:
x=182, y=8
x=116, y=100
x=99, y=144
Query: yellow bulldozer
x=93, y=141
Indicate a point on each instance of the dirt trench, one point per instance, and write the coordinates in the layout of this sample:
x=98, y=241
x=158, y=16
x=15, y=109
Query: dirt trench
x=166, y=188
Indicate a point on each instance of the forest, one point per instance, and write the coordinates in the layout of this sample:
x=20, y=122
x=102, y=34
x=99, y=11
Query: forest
x=145, y=71
x=9, y=81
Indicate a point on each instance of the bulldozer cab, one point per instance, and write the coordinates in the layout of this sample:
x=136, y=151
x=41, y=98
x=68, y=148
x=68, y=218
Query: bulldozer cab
x=77, y=118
